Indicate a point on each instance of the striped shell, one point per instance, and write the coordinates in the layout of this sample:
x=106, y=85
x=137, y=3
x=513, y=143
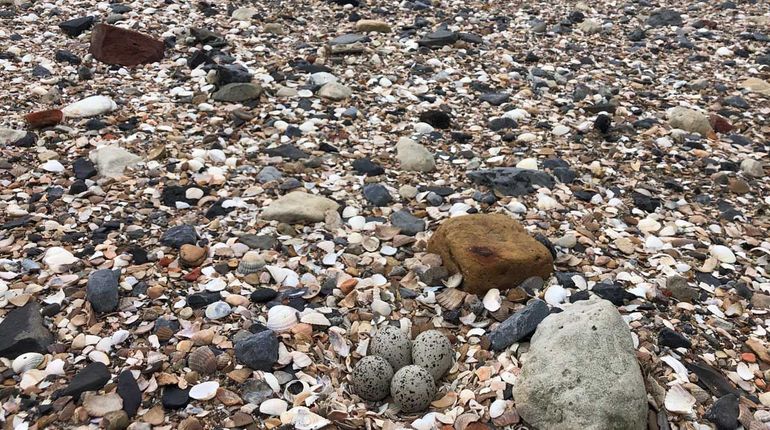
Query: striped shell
x=203, y=361
x=165, y=333
x=28, y=361
x=251, y=262
x=281, y=318
x=451, y=298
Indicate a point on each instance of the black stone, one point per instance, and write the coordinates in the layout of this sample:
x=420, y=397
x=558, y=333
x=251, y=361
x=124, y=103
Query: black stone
x=287, y=151
x=78, y=187
x=636, y=35
x=40, y=72
x=519, y=326
x=645, y=202
x=83, y=168
x=672, y=339
x=203, y=299
x=377, y=194
x=495, y=99
x=74, y=27
x=128, y=390
x=547, y=243
x=407, y=223
x=502, y=123
x=23, y=331
x=91, y=378
x=612, y=292
x=217, y=209
x=263, y=295
x=102, y=290
x=63, y=56
x=736, y=102
x=172, y=194
x=712, y=379
x=258, y=351
x=603, y=123
x=578, y=296
x=724, y=412
x=512, y=181
x=436, y=118
x=665, y=17
x=233, y=73
x=175, y=397
x=27, y=141
x=365, y=166
x=438, y=38
x=179, y=235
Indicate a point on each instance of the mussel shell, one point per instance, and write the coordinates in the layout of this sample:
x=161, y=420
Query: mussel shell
x=203, y=361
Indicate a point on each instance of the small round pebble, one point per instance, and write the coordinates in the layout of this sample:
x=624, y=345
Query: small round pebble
x=371, y=378
x=412, y=389
x=393, y=345
x=433, y=351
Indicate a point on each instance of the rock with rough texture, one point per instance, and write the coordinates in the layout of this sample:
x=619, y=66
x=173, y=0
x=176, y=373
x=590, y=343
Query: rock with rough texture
x=9, y=135
x=665, y=17
x=112, y=160
x=373, y=25
x=414, y=157
x=238, y=92
x=752, y=167
x=299, y=207
x=76, y=26
x=102, y=290
x=519, y=326
x=179, y=235
x=408, y=223
x=120, y=46
x=45, y=118
x=689, y=120
x=258, y=351
x=581, y=372
x=91, y=378
x=757, y=85
x=512, y=181
x=23, y=331
x=377, y=194
x=491, y=251
x=335, y=91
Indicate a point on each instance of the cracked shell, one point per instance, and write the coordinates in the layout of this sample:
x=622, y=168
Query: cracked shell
x=393, y=345
x=371, y=378
x=433, y=351
x=412, y=388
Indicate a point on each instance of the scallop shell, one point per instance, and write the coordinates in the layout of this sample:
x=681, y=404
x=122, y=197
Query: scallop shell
x=451, y=298
x=281, y=318
x=251, y=262
x=164, y=333
x=203, y=361
x=492, y=300
x=24, y=362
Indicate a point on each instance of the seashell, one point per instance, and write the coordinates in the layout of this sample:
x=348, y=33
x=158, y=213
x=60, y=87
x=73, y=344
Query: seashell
x=294, y=388
x=303, y=419
x=315, y=318
x=379, y=306
x=723, y=254
x=218, y=310
x=24, y=362
x=555, y=294
x=371, y=244
x=492, y=300
x=497, y=408
x=281, y=318
x=89, y=106
x=223, y=360
x=679, y=400
x=273, y=407
x=251, y=262
x=744, y=372
x=451, y=298
x=203, y=361
x=204, y=390
x=454, y=281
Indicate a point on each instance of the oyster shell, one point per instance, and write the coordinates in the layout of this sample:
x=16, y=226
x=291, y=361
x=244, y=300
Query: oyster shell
x=203, y=361
x=28, y=361
x=281, y=318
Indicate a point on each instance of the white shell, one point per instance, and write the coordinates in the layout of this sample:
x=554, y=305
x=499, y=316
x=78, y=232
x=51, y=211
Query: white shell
x=90, y=106
x=555, y=294
x=57, y=258
x=527, y=163
x=744, y=372
x=273, y=407
x=288, y=395
x=723, y=254
x=218, y=310
x=679, y=400
x=497, y=408
x=492, y=300
x=281, y=318
x=380, y=307
x=315, y=318
x=204, y=390
x=303, y=419
x=24, y=362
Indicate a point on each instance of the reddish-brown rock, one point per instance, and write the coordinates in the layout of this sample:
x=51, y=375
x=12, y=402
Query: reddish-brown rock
x=45, y=118
x=115, y=45
x=491, y=251
x=720, y=124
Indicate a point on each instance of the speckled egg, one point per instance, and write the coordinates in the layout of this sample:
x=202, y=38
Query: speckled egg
x=393, y=345
x=412, y=388
x=371, y=378
x=432, y=351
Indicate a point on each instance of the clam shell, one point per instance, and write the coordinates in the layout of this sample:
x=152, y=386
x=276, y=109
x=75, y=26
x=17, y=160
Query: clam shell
x=223, y=360
x=273, y=407
x=203, y=361
x=315, y=318
x=492, y=300
x=679, y=400
x=204, y=390
x=281, y=318
x=251, y=262
x=723, y=254
x=371, y=244
x=164, y=333
x=24, y=362
x=451, y=298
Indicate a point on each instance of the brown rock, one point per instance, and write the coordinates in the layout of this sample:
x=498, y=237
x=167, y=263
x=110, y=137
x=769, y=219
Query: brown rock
x=45, y=118
x=738, y=186
x=190, y=423
x=760, y=301
x=191, y=255
x=491, y=251
x=116, y=420
x=719, y=123
x=115, y=45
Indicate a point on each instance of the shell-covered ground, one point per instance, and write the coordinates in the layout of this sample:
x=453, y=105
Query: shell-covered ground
x=580, y=90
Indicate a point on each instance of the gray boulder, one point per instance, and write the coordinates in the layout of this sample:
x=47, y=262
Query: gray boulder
x=581, y=373
x=22, y=331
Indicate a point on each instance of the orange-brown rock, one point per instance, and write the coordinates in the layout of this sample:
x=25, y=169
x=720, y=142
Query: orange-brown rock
x=192, y=256
x=115, y=45
x=491, y=251
x=45, y=118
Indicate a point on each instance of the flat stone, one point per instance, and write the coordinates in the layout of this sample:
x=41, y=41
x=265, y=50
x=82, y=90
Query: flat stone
x=491, y=251
x=120, y=46
x=112, y=160
x=91, y=378
x=665, y=17
x=299, y=207
x=372, y=25
x=238, y=92
x=512, y=181
x=179, y=235
x=103, y=289
x=76, y=26
x=407, y=223
x=581, y=372
x=23, y=330
x=439, y=38
x=689, y=120
x=519, y=326
x=259, y=351
x=129, y=391
x=335, y=91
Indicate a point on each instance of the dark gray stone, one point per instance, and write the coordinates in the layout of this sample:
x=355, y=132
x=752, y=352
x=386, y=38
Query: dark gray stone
x=512, y=181
x=408, y=223
x=75, y=27
x=128, y=390
x=258, y=351
x=724, y=412
x=102, y=290
x=179, y=235
x=519, y=326
x=439, y=38
x=23, y=331
x=377, y=194
x=665, y=17
x=93, y=377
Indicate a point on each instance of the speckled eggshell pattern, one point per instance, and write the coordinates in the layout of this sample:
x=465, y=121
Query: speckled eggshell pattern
x=412, y=389
x=393, y=345
x=371, y=378
x=433, y=351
